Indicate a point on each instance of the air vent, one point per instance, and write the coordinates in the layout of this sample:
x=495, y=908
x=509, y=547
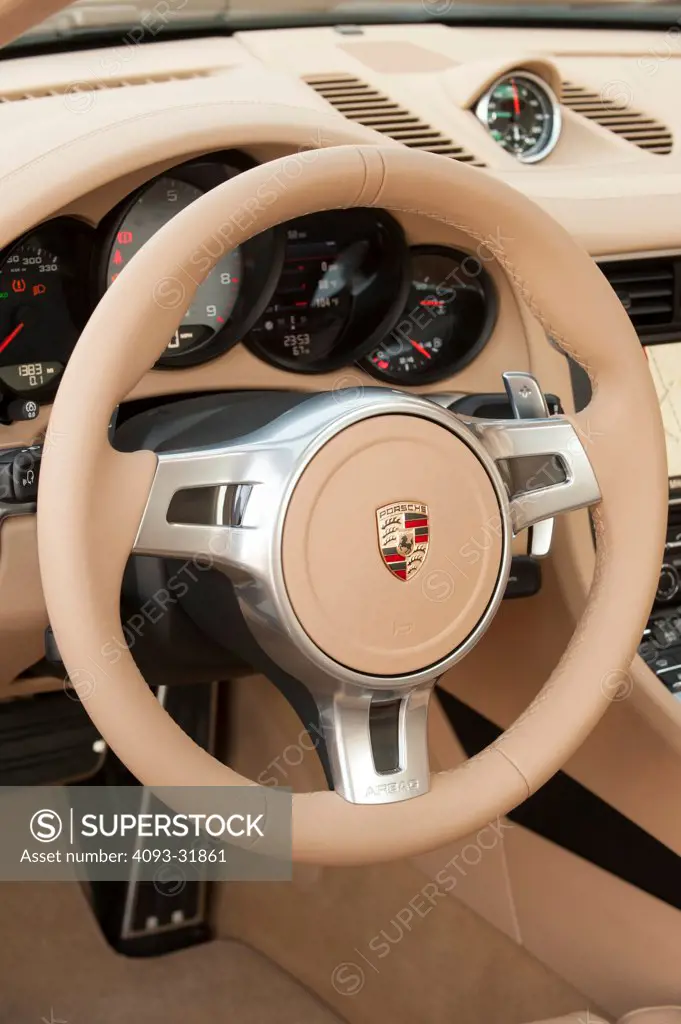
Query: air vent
x=366, y=105
x=100, y=84
x=642, y=130
x=648, y=290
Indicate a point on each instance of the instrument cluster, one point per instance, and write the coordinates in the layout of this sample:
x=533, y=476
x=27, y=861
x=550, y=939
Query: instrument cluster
x=312, y=295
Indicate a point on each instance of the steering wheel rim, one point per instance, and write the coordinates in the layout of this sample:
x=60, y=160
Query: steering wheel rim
x=92, y=499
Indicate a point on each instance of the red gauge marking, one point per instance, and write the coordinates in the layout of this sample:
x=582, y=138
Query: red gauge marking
x=420, y=348
x=516, y=97
x=10, y=337
x=431, y=302
x=118, y=258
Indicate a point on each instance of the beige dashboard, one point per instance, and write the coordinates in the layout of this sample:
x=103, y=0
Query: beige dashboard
x=103, y=122
x=83, y=130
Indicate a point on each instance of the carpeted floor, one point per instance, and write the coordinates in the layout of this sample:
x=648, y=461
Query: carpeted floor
x=341, y=934
x=56, y=967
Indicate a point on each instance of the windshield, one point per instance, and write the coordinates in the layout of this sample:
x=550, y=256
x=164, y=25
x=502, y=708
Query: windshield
x=85, y=16
x=312, y=7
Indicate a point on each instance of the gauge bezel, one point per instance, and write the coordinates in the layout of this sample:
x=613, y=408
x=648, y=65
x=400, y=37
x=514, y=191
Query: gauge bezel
x=265, y=250
x=482, y=113
x=446, y=369
x=394, y=272
x=71, y=239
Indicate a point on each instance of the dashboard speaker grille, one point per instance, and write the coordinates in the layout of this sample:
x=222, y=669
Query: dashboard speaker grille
x=361, y=102
x=87, y=87
x=617, y=116
x=649, y=291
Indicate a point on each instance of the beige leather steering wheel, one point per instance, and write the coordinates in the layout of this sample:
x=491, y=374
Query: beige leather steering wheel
x=331, y=464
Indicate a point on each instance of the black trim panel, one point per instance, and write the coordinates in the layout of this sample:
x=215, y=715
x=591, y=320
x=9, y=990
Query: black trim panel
x=570, y=815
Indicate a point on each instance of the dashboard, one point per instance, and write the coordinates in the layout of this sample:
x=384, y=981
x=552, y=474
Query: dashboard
x=313, y=295
x=359, y=296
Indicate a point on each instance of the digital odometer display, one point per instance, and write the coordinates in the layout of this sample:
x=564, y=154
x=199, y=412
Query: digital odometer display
x=215, y=298
x=312, y=303
x=340, y=280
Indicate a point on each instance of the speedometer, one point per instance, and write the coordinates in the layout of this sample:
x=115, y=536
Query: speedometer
x=43, y=306
x=522, y=114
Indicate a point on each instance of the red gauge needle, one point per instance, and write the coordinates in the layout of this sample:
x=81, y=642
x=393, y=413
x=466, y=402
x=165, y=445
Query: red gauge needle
x=10, y=337
x=419, y=348
x=516, y=98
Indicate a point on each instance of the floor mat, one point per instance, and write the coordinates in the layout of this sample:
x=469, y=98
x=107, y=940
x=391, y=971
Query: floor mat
x=352, y=936
x=56, y=967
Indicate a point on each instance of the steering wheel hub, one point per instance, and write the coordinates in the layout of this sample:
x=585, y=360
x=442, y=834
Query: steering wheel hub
x=392, y=545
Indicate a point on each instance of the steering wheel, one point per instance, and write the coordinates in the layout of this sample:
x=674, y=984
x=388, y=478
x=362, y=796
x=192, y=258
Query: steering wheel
x=338, y=510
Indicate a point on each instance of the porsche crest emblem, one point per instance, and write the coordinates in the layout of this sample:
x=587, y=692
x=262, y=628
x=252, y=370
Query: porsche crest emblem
x=403, y=537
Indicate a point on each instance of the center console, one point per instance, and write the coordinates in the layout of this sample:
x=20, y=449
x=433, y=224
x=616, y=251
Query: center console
x=661, y=643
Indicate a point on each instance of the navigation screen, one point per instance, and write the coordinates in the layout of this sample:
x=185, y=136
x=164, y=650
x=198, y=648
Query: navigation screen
x=665, y=366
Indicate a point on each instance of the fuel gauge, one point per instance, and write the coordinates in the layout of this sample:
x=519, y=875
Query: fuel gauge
x=42, y=306
x=449, y=315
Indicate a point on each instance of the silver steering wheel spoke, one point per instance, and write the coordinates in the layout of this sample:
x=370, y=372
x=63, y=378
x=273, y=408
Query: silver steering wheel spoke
x=222, y=501
x=542, y=459
x=210, y=503
x=377, y=743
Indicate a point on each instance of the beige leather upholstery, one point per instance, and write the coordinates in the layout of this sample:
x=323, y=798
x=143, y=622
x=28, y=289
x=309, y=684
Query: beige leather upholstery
x=580, y=1017
x=653, y=1015
x=646, y=1015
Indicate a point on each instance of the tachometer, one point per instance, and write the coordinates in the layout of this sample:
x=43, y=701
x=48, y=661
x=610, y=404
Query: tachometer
x=448, y=317
x=232, y=296
x=522, y=114
x=215, y=298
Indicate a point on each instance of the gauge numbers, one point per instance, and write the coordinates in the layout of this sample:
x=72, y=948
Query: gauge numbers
x=37, y=330
x=340, y=283
x=215, y=298
x=448, y=316
x=522, y=114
